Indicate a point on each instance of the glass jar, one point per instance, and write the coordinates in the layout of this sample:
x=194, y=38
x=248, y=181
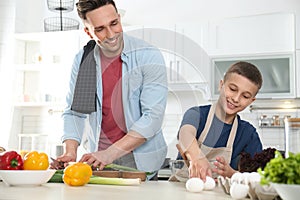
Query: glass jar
x=264, y=121
x=276, y=120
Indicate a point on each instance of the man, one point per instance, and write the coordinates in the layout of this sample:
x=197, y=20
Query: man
x=117, y=96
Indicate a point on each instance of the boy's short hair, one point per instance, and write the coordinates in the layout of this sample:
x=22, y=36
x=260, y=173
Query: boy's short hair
x=246, y=70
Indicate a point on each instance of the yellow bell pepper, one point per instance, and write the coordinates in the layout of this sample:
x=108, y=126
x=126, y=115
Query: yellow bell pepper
x=77, y=174
x=36, y=161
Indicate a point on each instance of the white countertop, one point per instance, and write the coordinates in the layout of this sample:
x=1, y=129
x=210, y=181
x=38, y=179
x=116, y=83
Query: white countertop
x=152, y=190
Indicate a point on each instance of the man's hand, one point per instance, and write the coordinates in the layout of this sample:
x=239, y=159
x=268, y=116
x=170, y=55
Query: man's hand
x=120, y=148
x=70, y=153
x=98, y=159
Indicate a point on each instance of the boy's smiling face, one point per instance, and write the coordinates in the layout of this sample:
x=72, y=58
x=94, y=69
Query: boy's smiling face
x=236, y=93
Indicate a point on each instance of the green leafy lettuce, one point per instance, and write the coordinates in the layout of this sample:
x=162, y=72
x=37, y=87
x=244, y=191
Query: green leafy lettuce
x=281, y=170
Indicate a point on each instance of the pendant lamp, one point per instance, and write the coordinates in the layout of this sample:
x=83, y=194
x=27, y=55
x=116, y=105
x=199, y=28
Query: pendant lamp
x=60, y=23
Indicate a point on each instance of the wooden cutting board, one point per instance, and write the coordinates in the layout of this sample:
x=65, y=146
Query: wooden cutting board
x=120, y=174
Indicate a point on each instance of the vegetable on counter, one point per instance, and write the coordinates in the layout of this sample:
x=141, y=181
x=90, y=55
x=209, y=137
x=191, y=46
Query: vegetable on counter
x=77, y=174
x=114, y=181
x=36, y=161
x=259, y=160
x=116, y=167
x=11, y=160
x=59, y=177
x=281, y=170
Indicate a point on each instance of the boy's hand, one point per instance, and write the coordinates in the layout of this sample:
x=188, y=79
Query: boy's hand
x=200, y=168
x=223, y=168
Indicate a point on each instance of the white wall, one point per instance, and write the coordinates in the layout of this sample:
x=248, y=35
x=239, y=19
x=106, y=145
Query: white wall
x=139, y=11
x=31, y=13
x=7, y=17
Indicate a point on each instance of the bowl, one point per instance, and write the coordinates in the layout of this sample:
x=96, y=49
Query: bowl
x=26, y=177
x=287, y=191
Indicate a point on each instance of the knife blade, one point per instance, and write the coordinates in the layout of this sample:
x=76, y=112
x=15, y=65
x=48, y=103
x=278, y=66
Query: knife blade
x=57, y=164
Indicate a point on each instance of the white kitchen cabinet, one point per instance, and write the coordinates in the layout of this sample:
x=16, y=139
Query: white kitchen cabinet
x=43, y=61
x=169, y=39
x=252, y=34
x=42, y=70
x=35, y=128
x=186, y=60
x=298, y=72
x=187, y=63
x=298, y=31
x=278, y=73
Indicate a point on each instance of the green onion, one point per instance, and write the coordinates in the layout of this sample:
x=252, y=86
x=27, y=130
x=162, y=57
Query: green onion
x=124, y=168
x=120, y=168
x=114, y=181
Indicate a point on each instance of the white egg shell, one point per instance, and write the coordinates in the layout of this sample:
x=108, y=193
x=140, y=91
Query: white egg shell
x=254, y=177
x=194, y=185
x=236, y=177
x=209, y=184
x=245, y=180
x=238, y=191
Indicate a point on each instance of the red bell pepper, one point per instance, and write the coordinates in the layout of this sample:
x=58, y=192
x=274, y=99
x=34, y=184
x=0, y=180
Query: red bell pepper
x=11, y=160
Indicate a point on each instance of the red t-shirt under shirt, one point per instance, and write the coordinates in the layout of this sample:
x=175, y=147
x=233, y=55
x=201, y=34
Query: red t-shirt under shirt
x=113, y=122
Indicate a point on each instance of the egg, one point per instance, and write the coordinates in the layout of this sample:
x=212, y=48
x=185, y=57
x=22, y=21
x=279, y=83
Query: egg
x=254, y=177
x=236, y=177
x=209, y=184
x=246, y=178
x=238, y=190
x=194, y=185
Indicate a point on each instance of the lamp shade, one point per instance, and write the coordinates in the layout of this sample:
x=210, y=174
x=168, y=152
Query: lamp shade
x=60, y=24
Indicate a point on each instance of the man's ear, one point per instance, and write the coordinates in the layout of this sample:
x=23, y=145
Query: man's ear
x=86, y=30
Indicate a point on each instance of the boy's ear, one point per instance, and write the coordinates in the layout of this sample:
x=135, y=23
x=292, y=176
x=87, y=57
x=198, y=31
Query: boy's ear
x=221, y=83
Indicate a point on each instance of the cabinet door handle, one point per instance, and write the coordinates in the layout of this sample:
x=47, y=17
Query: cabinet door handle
x=171, y=70
x=178, y=70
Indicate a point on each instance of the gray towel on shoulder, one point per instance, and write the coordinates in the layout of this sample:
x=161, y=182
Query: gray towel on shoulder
x=84, y=100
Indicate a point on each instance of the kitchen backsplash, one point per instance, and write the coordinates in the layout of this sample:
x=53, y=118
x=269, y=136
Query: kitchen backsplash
x=267, y=116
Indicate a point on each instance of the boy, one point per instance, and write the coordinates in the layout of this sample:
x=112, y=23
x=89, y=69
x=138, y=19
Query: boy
x=215, y=134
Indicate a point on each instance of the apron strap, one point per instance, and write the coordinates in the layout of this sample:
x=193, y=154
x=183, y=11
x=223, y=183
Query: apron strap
x=208, y=123
x=209, y=120
x=232, y=133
